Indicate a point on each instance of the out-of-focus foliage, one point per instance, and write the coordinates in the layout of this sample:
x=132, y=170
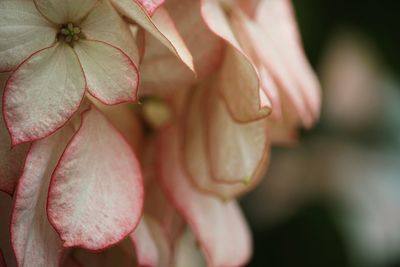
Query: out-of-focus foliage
x=333, y=199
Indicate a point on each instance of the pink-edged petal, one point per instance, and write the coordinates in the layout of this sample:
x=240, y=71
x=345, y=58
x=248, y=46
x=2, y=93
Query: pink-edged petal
x=235, y=149
x=285, y=37
x=12, y=160
x=271, y=90
x=145, y=245
x=96, y=192
x=157, y=206
x=218, y=226
x=6, y=204
x=161, y=72
x=111, y=76
x=240, y=87
x=160, y=26
x=126, y=119
x=34, y=240
x=104, y=24
x=64, y=11
x=165, y=250
x=121, y=255
x=196, y=159
x=188, y=252
x=43, y=93
x=164, y=23
x=238, y=81
x=23, y=31
x=151, y=5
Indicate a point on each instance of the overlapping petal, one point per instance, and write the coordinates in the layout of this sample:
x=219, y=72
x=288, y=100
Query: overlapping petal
x=104, y=24
x=235, y=149
x=34, y=240
x=160, y=26
x=43, y=93
x=145, y=245
x=218, y=226
x=205, y=47
x=64, y=11
x=96, y=192
x=196, y=158
x=23, y=31
x=111, y=76
x=285, y=38
x=238, y=81
x=12, y=160
x=188, y=253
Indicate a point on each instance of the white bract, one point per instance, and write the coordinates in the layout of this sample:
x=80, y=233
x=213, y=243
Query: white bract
x=57, y=50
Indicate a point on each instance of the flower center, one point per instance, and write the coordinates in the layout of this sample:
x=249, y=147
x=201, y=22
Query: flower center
x=70, y=33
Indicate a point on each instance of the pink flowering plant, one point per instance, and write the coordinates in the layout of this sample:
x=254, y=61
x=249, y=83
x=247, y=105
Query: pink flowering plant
x=130, y=127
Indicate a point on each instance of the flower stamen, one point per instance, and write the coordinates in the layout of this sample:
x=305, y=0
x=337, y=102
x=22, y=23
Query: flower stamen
x=69, y=33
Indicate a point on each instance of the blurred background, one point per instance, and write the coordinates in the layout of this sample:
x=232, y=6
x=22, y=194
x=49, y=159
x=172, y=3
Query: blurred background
x=334, y=199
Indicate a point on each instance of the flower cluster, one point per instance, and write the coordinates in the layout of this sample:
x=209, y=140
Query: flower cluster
x=135, y=124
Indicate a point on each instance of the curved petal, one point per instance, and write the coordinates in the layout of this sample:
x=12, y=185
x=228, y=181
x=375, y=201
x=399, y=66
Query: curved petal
x=161, y=72
x=34, y=240
x=104, y=24
x=165, y=250
x=188, y=253
x=43, y=93
x=286, y=39
x=23, y=31
x=218, y=226
x=6, y=204
x=145, y=246
x=64, y=11
x=160, y=26
x=96, y=193
x=111, y=76
x=235, y=149
x=12, y=160
x=126, y=119
x=195, y=152
x=157, y=206
x=151, y=5
x=238, y=80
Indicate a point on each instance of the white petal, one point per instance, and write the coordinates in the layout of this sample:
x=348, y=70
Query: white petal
x=104, y=24
x=34, y=240
x=12, y=160
x=196, y=157
x=43, y=93
x=96, y=192
x=111, y=76
x=188, y=252
x=238, y=81
x=23, y=31
x=161, y=72
x=64, y=11
x=145, y=246
x=161, y=27
x=236, y=150
x=218, y=226
x=284, y=37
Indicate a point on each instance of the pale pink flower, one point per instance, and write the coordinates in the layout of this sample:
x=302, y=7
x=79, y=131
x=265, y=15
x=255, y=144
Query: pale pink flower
x=202, y=132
